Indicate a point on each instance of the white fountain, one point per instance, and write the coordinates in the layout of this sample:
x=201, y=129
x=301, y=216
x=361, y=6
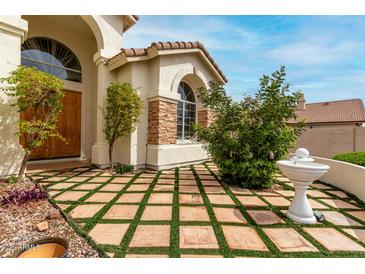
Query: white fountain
x=301, y=170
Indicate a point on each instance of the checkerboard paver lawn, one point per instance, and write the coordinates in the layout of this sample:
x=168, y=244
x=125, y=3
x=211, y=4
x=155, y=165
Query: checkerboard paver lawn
x=188, y=212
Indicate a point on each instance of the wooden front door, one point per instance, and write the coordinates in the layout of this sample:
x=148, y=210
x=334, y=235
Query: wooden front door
x=68, y=125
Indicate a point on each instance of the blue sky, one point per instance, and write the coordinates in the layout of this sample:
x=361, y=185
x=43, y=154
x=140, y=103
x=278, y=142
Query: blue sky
x=324, y=55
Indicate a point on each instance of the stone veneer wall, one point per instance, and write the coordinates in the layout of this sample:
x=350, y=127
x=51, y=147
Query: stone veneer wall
x=205, y=117
x=161, y=122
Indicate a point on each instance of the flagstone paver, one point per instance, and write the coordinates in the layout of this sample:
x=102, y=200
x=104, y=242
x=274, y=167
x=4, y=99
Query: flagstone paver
x=201, y=217
x=243, y=238
x=71, y=195
x=277, y=201
x=151, y=236
x=339, y=219
x=101, y=197
x=190, y=199
x=157, y=213
x=289, y=240
x=160, y=198
x=220, y=199
x=264, y=217
x=86, y=211
x=112, y=187
x=197, y=237
x=111, y=234
x=121, y=212
x=193, y=213
x=229, y=215
x=146, y=256
x=333, y=240
x=131, y=198
x=251, y=201
x=87, y=186
x=336, y=203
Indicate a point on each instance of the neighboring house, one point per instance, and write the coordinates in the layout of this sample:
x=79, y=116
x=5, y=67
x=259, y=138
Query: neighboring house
x=331, y=127
x=85, y=52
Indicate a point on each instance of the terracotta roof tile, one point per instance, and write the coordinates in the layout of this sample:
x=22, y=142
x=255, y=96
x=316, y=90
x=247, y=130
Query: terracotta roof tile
x=137, y=52
x=332, y=112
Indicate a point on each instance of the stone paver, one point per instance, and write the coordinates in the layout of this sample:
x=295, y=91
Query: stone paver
x=157, y=213
x=146, y=256
x=214, y=190
x=317, y=194
x=339, y=219
x=121, y=180
x=240, y=191
x=111, y=234
x=357, y=233
x=63, y=206
x=210, y=183
x=55, y=179
x=251, y=201
x=316, y=205
x=338, y=193
x=85, y=211
x=86, y=187
x=289, y=240
x=121, y=212
x=169, y=188
x=333, y=240
x=166, y=182
x=151, y=236
x=321, y=186
x=112, y=187
x=277, y=201
x=286, y=193
x=357, y=214
x=187, y=183
x=61, y=186
x=264, y=217
x=143, y=181
x=200, y=256
x=101, y=197
x=71, y=195
x=336, y=203
x=77, y=179
x=197, y=237
x=190, y=199
x=220, y=199
x=98, y=180
x=193, y=213
x=160, y=198
x=245, y=238
x=131, y=198
x=267, y=193
x=189, y=189
x=229, y=215
x=138, y=187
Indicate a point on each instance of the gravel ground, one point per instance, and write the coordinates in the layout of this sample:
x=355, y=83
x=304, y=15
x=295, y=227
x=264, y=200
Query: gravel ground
x=17, y=226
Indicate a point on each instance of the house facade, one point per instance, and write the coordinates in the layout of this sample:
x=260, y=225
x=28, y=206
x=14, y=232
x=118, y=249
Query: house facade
x=331, y=127
x=87, y=53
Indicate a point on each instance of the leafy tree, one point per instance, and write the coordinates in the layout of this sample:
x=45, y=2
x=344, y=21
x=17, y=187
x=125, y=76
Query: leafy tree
x=124, y=106
x=248, y=137
x=38, y=94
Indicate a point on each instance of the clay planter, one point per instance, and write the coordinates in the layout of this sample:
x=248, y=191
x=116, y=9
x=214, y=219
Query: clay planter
x=44, y=248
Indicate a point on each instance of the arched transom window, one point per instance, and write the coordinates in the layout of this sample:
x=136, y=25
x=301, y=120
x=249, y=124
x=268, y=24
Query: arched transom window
x=52, y=57
x=186, y=112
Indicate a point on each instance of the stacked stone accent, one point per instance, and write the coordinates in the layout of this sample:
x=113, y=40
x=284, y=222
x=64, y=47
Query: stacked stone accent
x=162, y=122
x=205, y=117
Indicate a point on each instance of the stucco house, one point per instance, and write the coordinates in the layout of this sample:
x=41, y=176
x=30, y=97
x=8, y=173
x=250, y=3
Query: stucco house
x=331, y=127
x=87, y=53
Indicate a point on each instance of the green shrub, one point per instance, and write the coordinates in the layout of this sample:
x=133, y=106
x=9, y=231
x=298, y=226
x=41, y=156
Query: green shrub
x=12, y=179
x=246, y=138
x=357, y=158
x=123, y=168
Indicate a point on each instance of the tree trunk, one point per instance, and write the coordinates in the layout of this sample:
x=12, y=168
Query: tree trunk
x=22, y=167
x=111, y=156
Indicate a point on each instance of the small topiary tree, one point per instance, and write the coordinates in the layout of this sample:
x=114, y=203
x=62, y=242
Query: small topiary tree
x=38, y=94
x=248, y=137
x=124, y=106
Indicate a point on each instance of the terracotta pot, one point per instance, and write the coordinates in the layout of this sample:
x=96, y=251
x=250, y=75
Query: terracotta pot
x=44, y=248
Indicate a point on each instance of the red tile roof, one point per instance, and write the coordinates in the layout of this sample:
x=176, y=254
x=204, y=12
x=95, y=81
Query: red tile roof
x=137, y=52
x=332, y=112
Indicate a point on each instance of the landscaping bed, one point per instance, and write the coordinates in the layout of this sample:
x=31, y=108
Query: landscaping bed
x=19, y=225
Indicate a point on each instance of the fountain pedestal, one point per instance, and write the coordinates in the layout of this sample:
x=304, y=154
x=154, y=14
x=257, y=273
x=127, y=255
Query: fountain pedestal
x=300, y=209
x=301, y=170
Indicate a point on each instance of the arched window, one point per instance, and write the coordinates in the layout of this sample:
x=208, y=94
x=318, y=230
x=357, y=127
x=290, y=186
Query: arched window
x=52, y=57
x=186, y=112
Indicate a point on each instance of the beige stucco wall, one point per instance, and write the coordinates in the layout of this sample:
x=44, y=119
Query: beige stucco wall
x=346, y=176
x=329, y=140
x=12, y=31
